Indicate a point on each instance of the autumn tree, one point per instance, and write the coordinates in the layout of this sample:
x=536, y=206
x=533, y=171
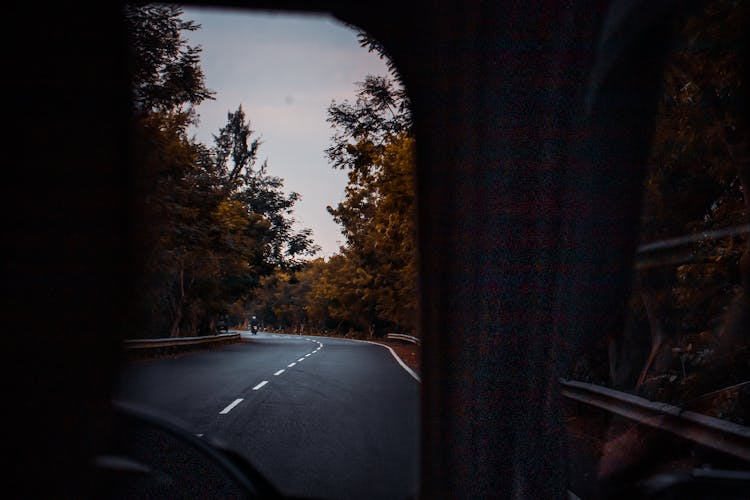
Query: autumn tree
x=285, y=299
x=324, y=295
x=373, y=142
x=213, y=222
x=369, y=287
x=262, y=194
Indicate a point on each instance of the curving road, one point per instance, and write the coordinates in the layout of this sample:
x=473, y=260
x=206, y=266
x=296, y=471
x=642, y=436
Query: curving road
x=320, y=417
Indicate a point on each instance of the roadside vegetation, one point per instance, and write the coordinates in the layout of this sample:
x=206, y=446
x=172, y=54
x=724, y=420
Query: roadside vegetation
x=369, y=287
x=218, y=242
x=687, y=332
x=214, y=222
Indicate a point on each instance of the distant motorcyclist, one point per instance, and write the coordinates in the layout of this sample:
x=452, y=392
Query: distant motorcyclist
x=222, y=324
x=254, y=325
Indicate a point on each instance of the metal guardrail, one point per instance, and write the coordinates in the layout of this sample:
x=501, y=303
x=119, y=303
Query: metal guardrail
x=406, y=338
x=720, y=435
x=179, y=342
x=677, y=251
x=712, y=234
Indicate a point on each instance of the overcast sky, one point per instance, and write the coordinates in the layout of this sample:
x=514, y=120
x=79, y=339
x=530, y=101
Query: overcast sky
x=285, y=70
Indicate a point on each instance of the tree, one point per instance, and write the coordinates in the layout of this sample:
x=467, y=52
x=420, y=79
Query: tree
x=167, y=72
x=235, y=156
x=374, y=143
x=372, y=282
x=212, y=223
x=380, y=112
x=392, y=235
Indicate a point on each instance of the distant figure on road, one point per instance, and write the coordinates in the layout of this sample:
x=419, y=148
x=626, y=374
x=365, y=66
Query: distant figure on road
x=222, y=324
x=254, y=325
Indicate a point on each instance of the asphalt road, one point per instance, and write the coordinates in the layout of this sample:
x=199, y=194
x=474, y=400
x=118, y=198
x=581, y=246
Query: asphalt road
x=319, y=417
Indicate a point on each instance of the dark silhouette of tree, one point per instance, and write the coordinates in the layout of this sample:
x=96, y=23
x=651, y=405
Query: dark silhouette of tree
x=690, y=310
x=213, y=222
x=167, y=76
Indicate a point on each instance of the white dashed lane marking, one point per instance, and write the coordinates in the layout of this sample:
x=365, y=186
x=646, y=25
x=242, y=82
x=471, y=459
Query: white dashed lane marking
x=260, y=385
x=229, y=408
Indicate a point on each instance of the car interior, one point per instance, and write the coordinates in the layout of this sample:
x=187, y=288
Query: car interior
x=534, y=123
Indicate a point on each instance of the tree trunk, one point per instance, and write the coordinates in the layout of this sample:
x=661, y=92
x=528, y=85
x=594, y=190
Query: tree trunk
x=175, y=330
x=658, y=336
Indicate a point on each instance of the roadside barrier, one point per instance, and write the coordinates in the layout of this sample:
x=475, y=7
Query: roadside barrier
x=405, y=338
x=720, y=435
x=159, y=346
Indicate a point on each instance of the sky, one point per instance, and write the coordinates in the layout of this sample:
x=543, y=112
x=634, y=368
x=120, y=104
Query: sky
x=285, y=69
